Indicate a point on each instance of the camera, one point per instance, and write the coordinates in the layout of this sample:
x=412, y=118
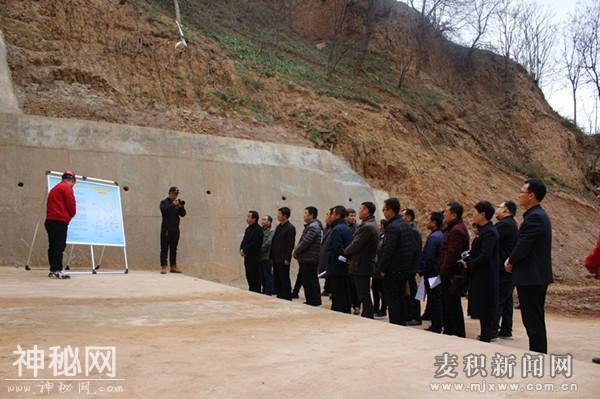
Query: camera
x=181, y=202
x=465, y=255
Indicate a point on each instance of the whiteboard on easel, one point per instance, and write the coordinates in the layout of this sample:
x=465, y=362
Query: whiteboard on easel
x=99, y=217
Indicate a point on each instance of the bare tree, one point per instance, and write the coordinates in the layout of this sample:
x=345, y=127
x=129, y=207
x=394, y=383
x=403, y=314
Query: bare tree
x=369, y=22
x=479, y=14
x=340, y=12
x=589, y=43
x=571, y=60
x=507, y=16
x=536, y=38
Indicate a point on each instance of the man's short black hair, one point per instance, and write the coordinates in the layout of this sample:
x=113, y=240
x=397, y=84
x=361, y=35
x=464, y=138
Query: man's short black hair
x=285, y=211
x=537, y=187
x=254, y=215
x=313, y=211
x=339, y=210
x=68, y=177
x=410, y=213
x=269, y=218
x=511, y=206
x=370, y=207
x=393, y=204
x=485, y=207
x=456, y=208
x=349, y=211
x=437, y=218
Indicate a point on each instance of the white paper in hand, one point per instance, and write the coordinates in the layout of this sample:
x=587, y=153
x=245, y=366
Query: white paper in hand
x=421, y=291
x=434, y=281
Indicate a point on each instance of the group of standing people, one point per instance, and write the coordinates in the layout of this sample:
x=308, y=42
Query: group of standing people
x=382, y=262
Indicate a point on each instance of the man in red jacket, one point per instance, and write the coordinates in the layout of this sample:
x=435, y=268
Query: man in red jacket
x=60, y=209
x=592, y=262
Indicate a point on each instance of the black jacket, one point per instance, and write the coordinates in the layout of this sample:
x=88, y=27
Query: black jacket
x=324, y=246
x=431, y=252
x=363, y=248
x=483, y=273
x=170, y=214
x=400, y=249
x=532, y=256
x=508, y=232
x=283, y=243
x=309, y=245
x=252, y=241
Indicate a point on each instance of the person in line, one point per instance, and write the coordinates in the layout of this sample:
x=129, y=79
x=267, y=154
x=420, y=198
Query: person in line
x=61, y=207
x=508, y=232
x=354, y=300
x=430, y=269
x=456, y=241
x=531, y=263
x=265, y=252
x=323, y=255
x=379, y=305
x=337, y=266
x=396, y=263
x=592, y=261
x=250, y=251
x=307, y=253
x=172, y=210
x=362, y=252
x=482, y=264
x=282, y=246
x=413, y=305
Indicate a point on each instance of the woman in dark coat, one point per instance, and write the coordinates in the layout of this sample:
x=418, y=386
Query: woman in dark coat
x=483, y=271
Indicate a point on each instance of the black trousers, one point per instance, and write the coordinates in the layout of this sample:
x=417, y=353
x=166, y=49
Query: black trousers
x=378, y=297
x=505, y=306
x=532, y=299
x=413, y=305
x=340, y=293
x=57, y=242
x=168, y=245
x=394, y=289
x=486, y=325
x=363, y=290
x=267, y=276
x=310, y=281
x=354, y=299
x=298, y=283
x=454, y=319
x=281, y=281
x=253, y=273
x=434, y=305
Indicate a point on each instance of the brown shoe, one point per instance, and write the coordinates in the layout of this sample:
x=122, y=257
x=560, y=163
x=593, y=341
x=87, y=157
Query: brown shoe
x=163, y=270
x=174, y=269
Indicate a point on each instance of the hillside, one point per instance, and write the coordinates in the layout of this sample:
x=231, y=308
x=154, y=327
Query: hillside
x=465, y=126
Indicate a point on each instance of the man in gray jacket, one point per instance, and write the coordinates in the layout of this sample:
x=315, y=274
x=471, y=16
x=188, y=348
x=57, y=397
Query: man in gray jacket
x=307, y=253
x=362, y=252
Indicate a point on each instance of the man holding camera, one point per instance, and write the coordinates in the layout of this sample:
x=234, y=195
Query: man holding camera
x=172, y=209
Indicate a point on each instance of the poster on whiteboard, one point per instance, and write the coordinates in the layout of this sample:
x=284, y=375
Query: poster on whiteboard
x=99, y=217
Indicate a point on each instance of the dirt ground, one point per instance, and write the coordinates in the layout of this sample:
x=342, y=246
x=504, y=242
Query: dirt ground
x=182, y=337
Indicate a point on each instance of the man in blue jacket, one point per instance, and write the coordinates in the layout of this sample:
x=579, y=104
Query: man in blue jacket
x=337, y=268
x=531, y=263
x=429, y=269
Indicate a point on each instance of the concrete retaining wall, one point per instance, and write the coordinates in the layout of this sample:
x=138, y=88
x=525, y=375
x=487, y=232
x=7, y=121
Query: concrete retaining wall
x=220, y=179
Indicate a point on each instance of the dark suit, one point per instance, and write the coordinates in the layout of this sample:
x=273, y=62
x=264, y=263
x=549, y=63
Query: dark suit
x=251, y=245
x=337, y=271
x=483, y=279
x=508, y=232
x=532, y=273
x=282, y=246
x=397, y=262
x=362, y=252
